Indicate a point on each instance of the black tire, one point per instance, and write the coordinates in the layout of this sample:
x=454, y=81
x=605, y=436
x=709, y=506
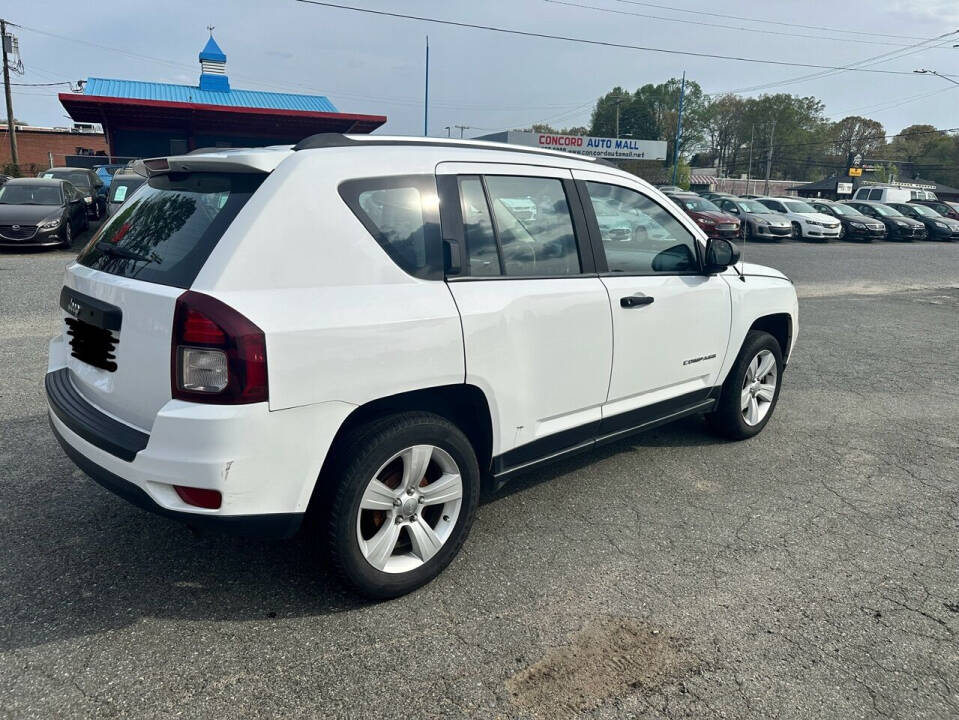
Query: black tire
x=67, y=239
x=727, y=419
x=361, y=456
x=797, y=231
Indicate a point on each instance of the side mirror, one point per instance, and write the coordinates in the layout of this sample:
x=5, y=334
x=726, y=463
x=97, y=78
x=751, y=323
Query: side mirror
x=720, y=254
x=733, y=209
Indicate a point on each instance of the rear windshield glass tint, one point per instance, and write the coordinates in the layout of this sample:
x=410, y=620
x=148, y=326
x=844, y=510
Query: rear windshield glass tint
x=166, y=233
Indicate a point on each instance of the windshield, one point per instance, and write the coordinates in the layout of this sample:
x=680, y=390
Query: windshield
x=751, y=206
x=122, y=187
x=925, y=211
x=80, y=179
x=797, y=206
x=13, y=194
x=844, y=210
x=696, y=204
x=170, y=226
x=887, y=211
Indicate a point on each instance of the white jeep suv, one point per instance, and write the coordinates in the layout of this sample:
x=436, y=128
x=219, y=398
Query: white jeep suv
x=807, y=222
x=367, y=328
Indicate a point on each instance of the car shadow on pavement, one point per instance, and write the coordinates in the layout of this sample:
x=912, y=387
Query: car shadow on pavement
x=79, y=561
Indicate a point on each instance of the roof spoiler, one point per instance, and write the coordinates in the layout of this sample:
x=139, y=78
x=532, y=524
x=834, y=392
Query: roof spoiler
x=209, y=162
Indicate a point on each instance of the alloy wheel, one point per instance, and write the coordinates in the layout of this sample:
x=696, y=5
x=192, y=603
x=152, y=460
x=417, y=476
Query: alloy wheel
x=409, y=509
x=759, y=387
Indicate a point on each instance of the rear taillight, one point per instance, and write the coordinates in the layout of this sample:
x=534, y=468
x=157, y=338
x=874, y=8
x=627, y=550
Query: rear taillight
x=217, y=355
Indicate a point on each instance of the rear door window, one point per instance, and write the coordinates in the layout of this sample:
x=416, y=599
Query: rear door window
x=533, y=226
x=166, y=233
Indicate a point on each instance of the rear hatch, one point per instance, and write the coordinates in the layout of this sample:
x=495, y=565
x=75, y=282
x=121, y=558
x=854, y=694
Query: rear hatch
x=118, y=298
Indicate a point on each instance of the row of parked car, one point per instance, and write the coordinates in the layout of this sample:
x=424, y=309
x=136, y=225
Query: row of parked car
x=887, y=217
x=54, y=207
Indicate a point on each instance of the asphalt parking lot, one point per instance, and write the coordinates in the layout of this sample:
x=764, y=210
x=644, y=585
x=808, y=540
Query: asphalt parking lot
x=810, y=572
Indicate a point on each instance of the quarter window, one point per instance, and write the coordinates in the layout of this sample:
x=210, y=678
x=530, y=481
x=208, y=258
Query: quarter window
x=402, y=214
x=639, y=236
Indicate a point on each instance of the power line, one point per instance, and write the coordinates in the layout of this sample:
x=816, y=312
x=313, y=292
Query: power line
x=404, y=100
x=587, y=41
x=726, y=16
x=47, y=84
x=873, y=60
x=702, y=23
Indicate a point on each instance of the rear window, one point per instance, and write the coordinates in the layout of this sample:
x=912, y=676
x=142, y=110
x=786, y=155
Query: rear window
x=166, y=233
x=80, y=179
x=122, y=187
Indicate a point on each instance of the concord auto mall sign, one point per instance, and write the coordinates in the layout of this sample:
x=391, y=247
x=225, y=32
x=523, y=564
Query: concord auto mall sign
x=601, y=147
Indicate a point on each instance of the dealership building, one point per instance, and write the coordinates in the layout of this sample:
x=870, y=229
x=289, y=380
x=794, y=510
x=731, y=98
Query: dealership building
x=148, y=119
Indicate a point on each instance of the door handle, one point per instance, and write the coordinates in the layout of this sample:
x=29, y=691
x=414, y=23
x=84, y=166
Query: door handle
x=631, y=301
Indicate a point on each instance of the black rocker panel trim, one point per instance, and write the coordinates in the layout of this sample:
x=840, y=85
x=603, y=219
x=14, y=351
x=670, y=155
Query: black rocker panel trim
x=609, y=429
x=85, y=420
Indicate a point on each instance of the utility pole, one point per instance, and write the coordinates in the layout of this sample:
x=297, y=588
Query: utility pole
x=7, y=43
x=769, y=157
x=461, y=128
x=749, y=169
x=679, y=128
x=426, y=94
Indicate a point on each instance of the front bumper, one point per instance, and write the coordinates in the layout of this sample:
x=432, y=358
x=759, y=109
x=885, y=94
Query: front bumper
x=908, y=233
x=265, y=464
x=854, y=233
x=820, y=233
x=41, y=238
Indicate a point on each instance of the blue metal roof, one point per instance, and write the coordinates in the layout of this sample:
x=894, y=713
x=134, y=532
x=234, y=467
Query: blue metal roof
x=212, y=51
x=135, y=90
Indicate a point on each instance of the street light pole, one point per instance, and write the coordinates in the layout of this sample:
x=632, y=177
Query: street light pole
x=679, y=128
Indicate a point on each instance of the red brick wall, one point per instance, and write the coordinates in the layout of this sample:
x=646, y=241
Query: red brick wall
x=33, y=147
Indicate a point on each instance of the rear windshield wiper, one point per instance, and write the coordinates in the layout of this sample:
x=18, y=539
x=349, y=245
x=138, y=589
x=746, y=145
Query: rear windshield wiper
x=108, y=249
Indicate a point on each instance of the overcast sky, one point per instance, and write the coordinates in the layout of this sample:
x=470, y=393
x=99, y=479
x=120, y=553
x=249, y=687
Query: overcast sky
x=491, y=81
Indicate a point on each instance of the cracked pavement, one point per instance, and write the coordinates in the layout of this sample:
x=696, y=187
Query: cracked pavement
x=811, y=572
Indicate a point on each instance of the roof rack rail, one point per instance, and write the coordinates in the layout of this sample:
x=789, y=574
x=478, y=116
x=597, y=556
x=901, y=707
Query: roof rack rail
x=337, y=140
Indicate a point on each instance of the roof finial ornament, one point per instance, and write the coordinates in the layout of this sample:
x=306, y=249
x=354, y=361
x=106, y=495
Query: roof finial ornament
x=211, y=28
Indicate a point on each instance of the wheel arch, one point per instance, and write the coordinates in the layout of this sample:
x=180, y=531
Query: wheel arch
x=779, y=325
x=464, y=405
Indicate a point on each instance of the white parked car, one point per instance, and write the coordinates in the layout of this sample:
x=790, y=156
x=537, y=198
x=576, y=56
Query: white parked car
x=360, y=327
x=807, y=222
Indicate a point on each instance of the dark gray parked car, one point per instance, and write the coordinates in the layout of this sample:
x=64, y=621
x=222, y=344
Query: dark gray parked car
x=87, y=182
x=758, y=221
x=40, y=213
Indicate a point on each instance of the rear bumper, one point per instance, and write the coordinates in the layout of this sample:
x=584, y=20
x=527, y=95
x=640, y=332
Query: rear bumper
x=265, y=464
x=274, y=525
